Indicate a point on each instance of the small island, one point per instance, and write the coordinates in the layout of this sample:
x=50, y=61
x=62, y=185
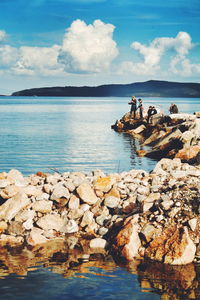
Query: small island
x=151, y=88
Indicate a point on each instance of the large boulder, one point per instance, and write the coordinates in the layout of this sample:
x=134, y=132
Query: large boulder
x=13, y=206
x=189, y=153
x=127, y=241
x=173, y=246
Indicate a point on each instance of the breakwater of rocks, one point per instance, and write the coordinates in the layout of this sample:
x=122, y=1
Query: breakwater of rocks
x=169, y=136
x=131, y=215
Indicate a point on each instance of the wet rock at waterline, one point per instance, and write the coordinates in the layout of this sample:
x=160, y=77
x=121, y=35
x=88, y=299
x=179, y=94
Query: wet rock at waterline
x=176, y=135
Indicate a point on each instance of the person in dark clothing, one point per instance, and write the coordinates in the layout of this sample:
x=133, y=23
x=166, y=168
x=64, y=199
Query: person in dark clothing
x=173, y=109
x=140, y=106
x=133, y=104
x=149, y=111
x=154, y=110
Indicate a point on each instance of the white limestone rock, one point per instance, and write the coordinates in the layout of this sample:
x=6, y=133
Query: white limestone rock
x=42, y=206
x=13, y=206
x=28, y=224
x=60, y=192
x=111, y=202
x=51, y=221
x=70, y=227
x=86, y=193
x=98, y=243
x=36, y=237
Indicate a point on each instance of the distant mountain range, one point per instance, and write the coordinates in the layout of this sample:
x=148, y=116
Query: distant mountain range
x=151, y=88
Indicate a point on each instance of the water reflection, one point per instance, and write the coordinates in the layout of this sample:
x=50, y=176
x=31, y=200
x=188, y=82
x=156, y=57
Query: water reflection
x=171, y=282
x=90, y=275
x=131, y=145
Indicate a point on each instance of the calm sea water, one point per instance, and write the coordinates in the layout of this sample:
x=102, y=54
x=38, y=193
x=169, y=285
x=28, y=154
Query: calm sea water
x=71, y=134
x=74, y=134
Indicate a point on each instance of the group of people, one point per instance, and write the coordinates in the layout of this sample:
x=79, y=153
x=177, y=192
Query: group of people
x=134, y=107
x=151, y=110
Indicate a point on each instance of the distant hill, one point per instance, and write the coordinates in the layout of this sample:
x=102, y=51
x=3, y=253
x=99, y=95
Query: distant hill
x=151, y=88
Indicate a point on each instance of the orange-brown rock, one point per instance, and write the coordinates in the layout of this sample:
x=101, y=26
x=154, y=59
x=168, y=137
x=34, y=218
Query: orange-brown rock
x=103, y=184
x=41, y=174
x=127, y=240
x=173, y=246
x=113, y=193
x=189, y=153
x=141, y=153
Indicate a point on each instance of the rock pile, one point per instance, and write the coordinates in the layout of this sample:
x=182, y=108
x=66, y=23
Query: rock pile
x=173, y=136
x=135, y=213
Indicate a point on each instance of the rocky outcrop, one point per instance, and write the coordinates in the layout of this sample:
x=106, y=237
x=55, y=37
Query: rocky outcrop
x=132, y=214
x=176, y=135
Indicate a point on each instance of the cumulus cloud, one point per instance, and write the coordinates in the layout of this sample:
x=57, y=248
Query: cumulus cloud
x=88, y=48
x=182, y=65
x=85, y=49
x=152, y=54
x=38, y=60
x=91, y=49
x=8, y=56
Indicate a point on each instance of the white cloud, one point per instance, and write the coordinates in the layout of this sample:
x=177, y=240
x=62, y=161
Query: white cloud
x=180, y=65
x=91, y=49
x=38, y=60
x=152, y=55
x=8, y=56
x=85, y=49
x=88, y=48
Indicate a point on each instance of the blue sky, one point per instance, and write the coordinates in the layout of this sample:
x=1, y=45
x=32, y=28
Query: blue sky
x=93, y=42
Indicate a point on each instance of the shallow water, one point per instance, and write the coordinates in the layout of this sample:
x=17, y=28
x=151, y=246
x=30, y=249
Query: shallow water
x=50, y=272
x=74, y=134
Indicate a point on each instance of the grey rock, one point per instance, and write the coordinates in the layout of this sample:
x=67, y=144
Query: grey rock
x=111, y=202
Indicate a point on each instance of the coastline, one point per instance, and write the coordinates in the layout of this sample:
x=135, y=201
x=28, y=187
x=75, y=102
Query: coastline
x=137, y=217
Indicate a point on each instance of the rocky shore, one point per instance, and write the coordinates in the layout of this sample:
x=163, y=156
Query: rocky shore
x=135, y=214
x=169, y=136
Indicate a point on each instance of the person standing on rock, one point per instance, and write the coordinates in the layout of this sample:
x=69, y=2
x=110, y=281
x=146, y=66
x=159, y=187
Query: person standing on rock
x=173, y=109
x=133, y=104
x=149, y=113
x=140, y=106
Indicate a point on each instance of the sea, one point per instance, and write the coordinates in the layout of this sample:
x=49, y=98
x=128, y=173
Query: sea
x=62, y=134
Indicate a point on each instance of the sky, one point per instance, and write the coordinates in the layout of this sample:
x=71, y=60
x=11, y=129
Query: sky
x=92, y=42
